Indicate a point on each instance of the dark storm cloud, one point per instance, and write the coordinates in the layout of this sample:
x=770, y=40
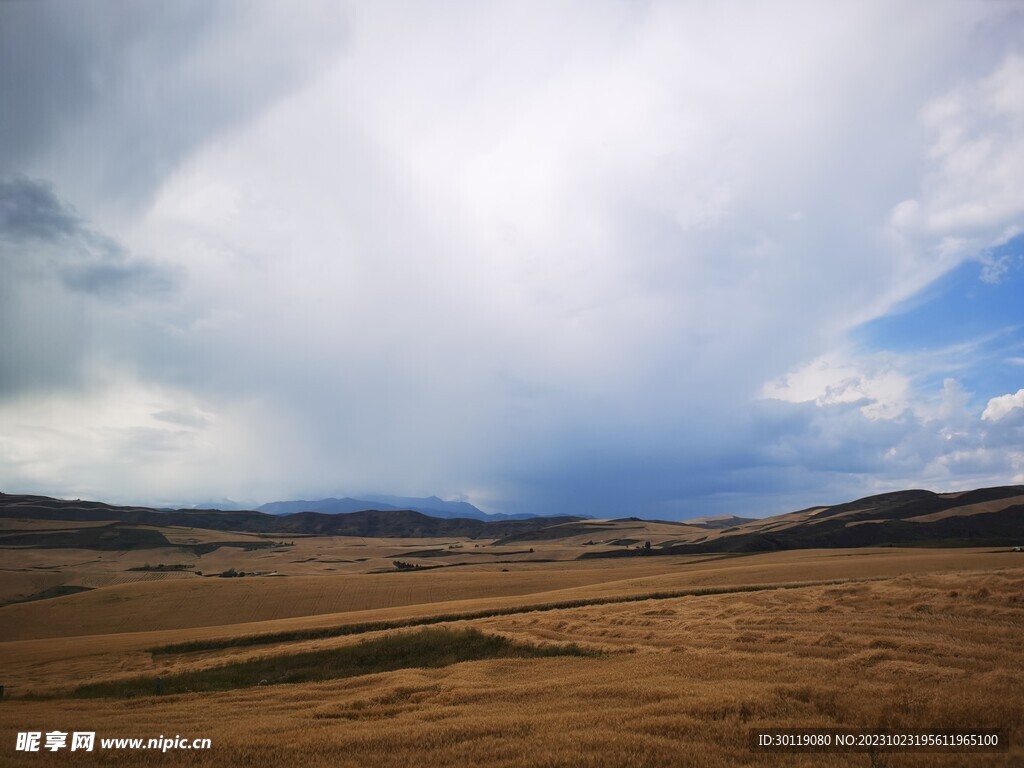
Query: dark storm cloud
x=37, y=92
x=29, y=210
x=124, y=91
x=36, y=224
x=51, y=262
x=110, y=281
x=89, y=49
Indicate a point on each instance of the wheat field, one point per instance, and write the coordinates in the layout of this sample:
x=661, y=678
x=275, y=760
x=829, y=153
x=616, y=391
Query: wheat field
x=851, y=638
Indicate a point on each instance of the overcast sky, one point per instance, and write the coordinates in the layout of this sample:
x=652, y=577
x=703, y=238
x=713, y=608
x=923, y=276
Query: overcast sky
x=663, y=259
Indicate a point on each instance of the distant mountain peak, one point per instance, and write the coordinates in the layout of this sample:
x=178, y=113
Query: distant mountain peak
x=432, y=506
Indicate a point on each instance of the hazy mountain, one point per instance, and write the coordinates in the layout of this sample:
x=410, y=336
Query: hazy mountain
x=430, y=505
x=323, y=506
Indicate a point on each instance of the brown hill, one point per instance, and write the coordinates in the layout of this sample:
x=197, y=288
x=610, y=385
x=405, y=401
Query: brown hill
x=983, y=517
x=371, y=523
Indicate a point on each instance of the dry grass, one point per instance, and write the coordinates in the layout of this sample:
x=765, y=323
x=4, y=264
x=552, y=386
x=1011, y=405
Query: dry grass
x=970, y=509
x=142, y=602
x=933, y=640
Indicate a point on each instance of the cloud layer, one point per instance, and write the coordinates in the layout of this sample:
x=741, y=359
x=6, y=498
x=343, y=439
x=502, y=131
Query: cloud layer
x=558, y=257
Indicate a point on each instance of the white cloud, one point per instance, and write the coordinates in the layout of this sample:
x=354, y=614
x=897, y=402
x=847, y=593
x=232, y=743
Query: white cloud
x=125, y=440
x=1000, y=407
x=970, y=198
x=469, y=245
x=994, y=269
x=831, y=379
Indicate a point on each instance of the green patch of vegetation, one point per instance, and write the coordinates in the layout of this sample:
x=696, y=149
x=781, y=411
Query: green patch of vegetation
x=294, y=635
x=114, y=536
x=246, y=546
x=434, y=647
x=401, y=565
x=446, y=553
x=46, y=594
x=162, y=567
x=231, y=573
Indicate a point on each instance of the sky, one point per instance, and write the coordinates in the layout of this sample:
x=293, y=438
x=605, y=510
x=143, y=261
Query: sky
x=662, y=259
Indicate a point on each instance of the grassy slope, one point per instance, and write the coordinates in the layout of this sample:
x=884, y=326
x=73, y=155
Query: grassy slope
x=680, y=683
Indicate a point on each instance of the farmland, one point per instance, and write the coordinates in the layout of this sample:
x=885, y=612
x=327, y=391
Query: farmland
x=675, y=657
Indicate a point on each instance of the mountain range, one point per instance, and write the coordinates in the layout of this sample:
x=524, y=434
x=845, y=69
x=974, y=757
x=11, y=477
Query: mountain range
x=982, y=517
x=430, y=505
x=398, y=523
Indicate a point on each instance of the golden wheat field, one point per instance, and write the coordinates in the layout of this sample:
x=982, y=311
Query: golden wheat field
x=678, y=657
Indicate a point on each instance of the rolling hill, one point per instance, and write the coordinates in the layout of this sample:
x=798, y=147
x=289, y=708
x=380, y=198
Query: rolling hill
x=982, y=517
x=378, y=523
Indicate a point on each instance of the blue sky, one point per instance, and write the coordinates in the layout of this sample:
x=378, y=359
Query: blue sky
x=662, y=259
x=979, y=306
